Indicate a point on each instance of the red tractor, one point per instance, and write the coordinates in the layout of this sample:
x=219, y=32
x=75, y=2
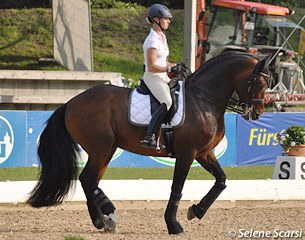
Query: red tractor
x=259, y=29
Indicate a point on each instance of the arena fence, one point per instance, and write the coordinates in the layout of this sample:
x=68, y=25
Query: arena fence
x=149, y=190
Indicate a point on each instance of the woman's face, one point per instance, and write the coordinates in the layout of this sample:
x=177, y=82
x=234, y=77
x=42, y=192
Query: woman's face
x=164, y=22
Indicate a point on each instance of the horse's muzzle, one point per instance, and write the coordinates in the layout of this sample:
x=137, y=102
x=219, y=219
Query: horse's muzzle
x=251, y=113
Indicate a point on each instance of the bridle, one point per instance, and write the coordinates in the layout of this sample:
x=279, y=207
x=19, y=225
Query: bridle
x=248, y=105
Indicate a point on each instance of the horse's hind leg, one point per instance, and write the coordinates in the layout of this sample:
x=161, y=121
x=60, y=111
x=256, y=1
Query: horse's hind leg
x=97, y=201
x=211, y=165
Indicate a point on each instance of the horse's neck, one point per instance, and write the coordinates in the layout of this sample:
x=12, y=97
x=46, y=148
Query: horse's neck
x=217, y=90
x=219, y=86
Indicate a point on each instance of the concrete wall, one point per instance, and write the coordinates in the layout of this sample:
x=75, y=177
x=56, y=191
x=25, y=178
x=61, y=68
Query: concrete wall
x=72, y=34
x=46, y=90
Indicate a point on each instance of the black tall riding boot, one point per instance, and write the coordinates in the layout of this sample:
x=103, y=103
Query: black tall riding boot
x=157, y=118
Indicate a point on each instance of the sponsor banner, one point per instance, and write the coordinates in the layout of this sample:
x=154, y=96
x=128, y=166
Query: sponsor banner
x=35, y=124
x=12, y=138
x=20, y=132
x=256, y=141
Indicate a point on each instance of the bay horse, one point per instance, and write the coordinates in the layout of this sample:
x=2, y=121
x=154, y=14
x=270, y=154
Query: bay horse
x=97, y=120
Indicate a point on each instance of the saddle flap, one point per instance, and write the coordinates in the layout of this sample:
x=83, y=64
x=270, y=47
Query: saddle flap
x=140, y=107
x=174, y=91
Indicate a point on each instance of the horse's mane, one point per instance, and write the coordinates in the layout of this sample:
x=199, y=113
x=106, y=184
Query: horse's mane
x=216, y=61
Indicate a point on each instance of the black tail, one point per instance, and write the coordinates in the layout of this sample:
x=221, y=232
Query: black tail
x=57, y=152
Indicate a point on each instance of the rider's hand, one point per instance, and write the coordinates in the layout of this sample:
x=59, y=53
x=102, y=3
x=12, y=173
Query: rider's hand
x=177, y=69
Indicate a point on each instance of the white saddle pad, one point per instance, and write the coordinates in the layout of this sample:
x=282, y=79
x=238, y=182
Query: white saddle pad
x=140, y=110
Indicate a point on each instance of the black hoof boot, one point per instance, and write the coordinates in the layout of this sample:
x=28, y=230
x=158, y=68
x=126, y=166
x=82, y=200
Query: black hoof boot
x=196, y=211
x=96, y=215
x=99, y=205
x=174, y=228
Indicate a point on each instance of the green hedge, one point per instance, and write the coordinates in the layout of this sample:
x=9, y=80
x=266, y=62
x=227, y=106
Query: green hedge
x=7, y=4
x=177, y=4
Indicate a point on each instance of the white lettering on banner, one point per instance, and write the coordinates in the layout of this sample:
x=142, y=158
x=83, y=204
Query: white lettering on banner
x=287, y=167
x=6, y=139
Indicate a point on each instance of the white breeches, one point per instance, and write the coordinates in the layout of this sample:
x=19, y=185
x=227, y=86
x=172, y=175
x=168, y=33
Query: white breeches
x=158, y=85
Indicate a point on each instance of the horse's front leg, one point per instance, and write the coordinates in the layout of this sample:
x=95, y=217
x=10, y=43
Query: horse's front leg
x=182, y=166
x=210, y=164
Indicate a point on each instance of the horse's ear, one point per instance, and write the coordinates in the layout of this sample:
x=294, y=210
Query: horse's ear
x=264, y=66
x=268, y=60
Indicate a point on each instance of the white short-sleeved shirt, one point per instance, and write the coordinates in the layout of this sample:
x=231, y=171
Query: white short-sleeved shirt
x=153, y=40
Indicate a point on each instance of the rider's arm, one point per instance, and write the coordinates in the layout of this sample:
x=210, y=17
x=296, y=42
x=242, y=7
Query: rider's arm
x=151, y=62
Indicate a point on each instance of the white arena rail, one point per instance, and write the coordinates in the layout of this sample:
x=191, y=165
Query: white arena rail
x=149, y=190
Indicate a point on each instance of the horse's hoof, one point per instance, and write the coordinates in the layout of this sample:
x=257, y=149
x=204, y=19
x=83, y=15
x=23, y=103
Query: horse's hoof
x=190, y=213
x=110, y=223
x=96, y=215
x=99, y=224
x=174, y=228
x=180, y=234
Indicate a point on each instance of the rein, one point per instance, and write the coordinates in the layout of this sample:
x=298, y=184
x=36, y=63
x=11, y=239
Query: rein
x=185, y=72
x=204, y=94
x=247, y=106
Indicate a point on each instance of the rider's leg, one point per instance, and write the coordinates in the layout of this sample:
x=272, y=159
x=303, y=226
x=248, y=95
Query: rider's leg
x=154, y=125
x=160, y=89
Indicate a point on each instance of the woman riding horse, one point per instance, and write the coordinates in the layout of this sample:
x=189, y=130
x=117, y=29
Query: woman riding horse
x=156, y=68
x=97, y=120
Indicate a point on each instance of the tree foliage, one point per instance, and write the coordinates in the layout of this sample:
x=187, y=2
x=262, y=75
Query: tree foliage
x=290, y=3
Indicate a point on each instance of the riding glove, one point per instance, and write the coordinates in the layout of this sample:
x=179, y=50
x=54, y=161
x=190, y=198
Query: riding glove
x=177, y=68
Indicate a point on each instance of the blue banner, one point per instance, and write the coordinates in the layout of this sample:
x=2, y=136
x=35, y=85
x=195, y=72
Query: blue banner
x=35, y=124
x=12, y=138
x=229, y=156
x=256, y=141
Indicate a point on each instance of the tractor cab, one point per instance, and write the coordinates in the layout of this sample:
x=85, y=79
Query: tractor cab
x=250, y=27
x=259, y=29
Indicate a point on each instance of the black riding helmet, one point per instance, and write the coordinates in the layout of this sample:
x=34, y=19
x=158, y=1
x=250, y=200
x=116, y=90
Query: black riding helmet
x=158, y=10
